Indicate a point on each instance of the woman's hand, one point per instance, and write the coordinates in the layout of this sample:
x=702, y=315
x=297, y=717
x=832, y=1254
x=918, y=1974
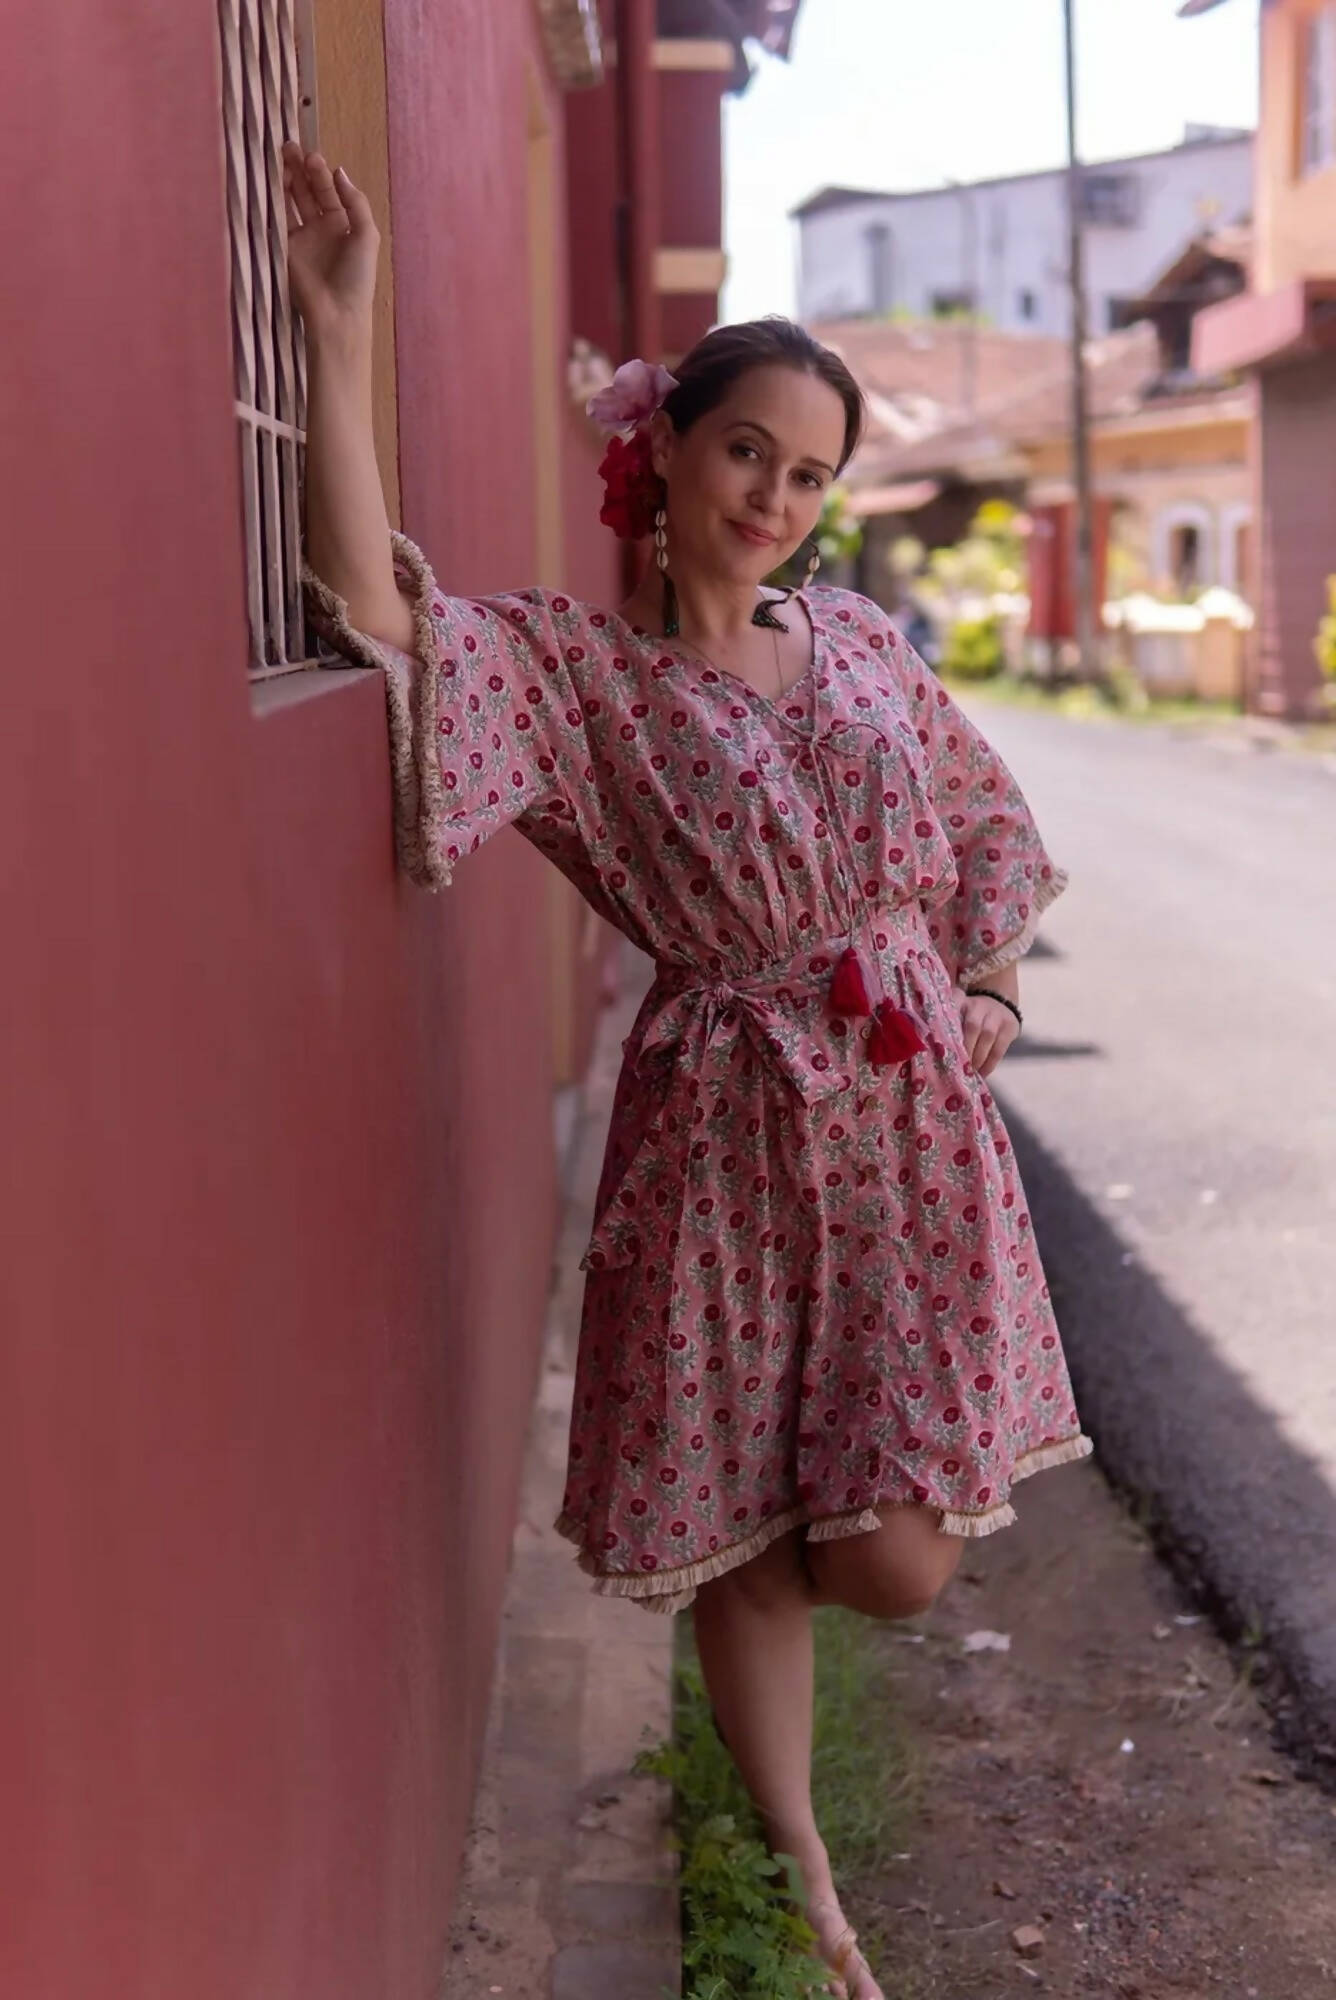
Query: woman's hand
x=989, y=1029
x=333, y=244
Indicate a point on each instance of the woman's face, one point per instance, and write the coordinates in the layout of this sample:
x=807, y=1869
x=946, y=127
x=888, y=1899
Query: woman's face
x=747, y=481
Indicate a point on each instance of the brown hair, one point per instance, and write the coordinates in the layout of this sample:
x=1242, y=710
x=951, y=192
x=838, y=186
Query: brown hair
x=708, y=372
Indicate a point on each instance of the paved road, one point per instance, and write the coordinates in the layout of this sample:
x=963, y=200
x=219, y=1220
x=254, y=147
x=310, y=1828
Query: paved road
x=1175, y=1117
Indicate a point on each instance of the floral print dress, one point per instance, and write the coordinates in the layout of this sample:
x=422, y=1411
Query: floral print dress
x=812, y=1285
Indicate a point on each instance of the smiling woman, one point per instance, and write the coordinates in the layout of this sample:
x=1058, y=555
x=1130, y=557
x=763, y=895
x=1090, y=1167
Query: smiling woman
x=817, y=1349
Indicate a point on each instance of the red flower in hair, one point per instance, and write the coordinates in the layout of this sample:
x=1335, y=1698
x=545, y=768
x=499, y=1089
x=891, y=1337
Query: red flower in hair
x=631, y=498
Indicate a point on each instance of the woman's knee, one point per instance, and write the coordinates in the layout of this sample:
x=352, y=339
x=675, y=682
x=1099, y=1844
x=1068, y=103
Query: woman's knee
x=898, y=1572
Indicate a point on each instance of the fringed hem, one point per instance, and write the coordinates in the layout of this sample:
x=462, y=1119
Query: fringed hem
x=411, y=690
x=973, y=1527
x=670, y=1591
x=673, y=1590
x=1016, y=947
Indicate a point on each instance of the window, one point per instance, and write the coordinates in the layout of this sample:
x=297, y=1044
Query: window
x=1184, y=541
x=268, y=95
x=1318, y=132
x=1110, y=201
x=1185, y=557
x=1027, y=305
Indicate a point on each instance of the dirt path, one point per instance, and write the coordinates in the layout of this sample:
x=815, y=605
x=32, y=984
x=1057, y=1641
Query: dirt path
x=1108, y=1783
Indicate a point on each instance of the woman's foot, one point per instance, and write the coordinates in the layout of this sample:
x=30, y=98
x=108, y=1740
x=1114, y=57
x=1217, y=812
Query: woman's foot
x=837, y=1943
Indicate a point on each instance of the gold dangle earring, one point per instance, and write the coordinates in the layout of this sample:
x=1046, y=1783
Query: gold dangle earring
x=814, y=564
x=671, y=624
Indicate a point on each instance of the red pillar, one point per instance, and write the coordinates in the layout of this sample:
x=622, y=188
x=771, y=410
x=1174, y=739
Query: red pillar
x=638, y=96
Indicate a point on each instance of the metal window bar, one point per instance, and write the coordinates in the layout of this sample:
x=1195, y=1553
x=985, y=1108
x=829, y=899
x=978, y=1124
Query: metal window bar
x=268, y=94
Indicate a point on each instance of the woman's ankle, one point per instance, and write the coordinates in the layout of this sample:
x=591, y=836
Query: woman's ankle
x=806, y=1847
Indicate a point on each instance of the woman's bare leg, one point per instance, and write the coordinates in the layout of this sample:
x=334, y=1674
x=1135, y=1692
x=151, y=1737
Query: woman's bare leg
x=754, y=1637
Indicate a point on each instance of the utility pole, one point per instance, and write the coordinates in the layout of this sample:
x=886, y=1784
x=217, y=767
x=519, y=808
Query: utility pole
x=973, y=288
x=1086, y=626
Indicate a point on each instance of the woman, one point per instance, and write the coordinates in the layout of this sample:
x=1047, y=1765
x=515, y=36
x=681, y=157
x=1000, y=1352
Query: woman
x=817, y=1347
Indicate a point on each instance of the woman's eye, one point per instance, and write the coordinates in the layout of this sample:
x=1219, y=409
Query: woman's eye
x=812, y=479
x=745, y=450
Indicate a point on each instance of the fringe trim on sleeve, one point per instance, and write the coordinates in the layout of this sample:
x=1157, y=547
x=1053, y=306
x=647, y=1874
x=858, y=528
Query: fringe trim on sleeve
x=412, y=706
x=1016, y=947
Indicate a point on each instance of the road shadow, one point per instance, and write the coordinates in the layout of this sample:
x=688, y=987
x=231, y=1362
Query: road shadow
x=1245, y=1519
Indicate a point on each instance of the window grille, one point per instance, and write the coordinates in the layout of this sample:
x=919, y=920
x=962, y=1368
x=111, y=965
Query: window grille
x=268, y=95
x=1110, y=201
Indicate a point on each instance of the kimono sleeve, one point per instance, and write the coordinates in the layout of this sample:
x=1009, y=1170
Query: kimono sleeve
x=483, y=721
x=1005, y=877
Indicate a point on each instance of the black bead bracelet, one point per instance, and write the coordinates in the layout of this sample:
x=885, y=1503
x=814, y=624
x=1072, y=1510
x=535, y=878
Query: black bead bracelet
x=987, y=993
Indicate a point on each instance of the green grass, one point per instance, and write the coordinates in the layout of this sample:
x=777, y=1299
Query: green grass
x=742, y=1939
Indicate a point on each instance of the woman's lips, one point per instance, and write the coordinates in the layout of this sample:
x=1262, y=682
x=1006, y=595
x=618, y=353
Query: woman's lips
x=757, y=537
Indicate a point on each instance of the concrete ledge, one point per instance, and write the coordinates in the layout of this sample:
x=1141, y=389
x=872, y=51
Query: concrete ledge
x=569, y=1889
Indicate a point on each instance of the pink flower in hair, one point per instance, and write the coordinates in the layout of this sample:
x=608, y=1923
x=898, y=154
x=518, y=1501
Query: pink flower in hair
x=634, y=394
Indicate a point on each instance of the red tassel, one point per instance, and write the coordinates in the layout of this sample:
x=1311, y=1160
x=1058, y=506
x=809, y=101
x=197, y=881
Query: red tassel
x=894, y=1037
x=848, y=988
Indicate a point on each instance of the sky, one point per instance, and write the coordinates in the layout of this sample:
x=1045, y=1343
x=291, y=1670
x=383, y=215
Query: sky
x=907, y=93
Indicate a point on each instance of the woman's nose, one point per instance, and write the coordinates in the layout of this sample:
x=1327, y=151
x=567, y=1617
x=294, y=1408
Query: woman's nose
x=768, y=491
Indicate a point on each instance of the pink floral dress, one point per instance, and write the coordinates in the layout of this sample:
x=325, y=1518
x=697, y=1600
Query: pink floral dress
x=812, y=1284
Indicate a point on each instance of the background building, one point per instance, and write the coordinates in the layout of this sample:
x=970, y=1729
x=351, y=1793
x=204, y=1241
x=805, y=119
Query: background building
x=999, y=248
x=279, y=1153
x=1282, y=333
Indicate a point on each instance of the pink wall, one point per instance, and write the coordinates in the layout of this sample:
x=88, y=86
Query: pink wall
x=274, y=1129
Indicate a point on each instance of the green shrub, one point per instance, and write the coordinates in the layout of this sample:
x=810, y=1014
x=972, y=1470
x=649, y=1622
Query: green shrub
x=1325, y=643
x=973, y=650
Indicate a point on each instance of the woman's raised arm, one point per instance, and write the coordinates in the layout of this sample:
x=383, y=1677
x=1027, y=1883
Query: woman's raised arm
x=333, y=244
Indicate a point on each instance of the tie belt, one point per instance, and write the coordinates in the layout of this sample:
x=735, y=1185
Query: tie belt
x=807, y=1019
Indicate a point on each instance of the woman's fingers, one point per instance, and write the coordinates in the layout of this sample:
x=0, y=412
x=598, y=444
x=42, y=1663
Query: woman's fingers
x=297, y=181
x=989, y=1032
x=323, y=185
x=360, y=215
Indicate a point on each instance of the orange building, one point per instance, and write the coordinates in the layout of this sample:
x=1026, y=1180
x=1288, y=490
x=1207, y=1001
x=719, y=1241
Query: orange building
x=1282, y=332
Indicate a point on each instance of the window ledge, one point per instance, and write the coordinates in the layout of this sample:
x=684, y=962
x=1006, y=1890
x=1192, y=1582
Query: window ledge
x=284, y=691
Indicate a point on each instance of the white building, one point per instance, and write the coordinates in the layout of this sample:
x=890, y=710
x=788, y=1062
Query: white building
x=999, y=248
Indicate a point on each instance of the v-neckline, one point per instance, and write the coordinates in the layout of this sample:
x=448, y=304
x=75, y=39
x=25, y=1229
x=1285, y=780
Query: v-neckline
x=688, y=656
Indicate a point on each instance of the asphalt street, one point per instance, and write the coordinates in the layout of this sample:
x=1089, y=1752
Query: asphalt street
x=1174, y=1110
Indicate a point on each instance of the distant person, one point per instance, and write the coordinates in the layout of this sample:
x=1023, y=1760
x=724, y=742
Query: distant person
x=817, y=1349
x=918, y=629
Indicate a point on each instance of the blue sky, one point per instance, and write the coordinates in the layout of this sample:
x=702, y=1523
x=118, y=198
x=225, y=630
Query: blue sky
x=900, y=93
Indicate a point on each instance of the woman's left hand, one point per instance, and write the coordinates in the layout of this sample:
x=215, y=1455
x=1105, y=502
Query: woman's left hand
x=989, y=1029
